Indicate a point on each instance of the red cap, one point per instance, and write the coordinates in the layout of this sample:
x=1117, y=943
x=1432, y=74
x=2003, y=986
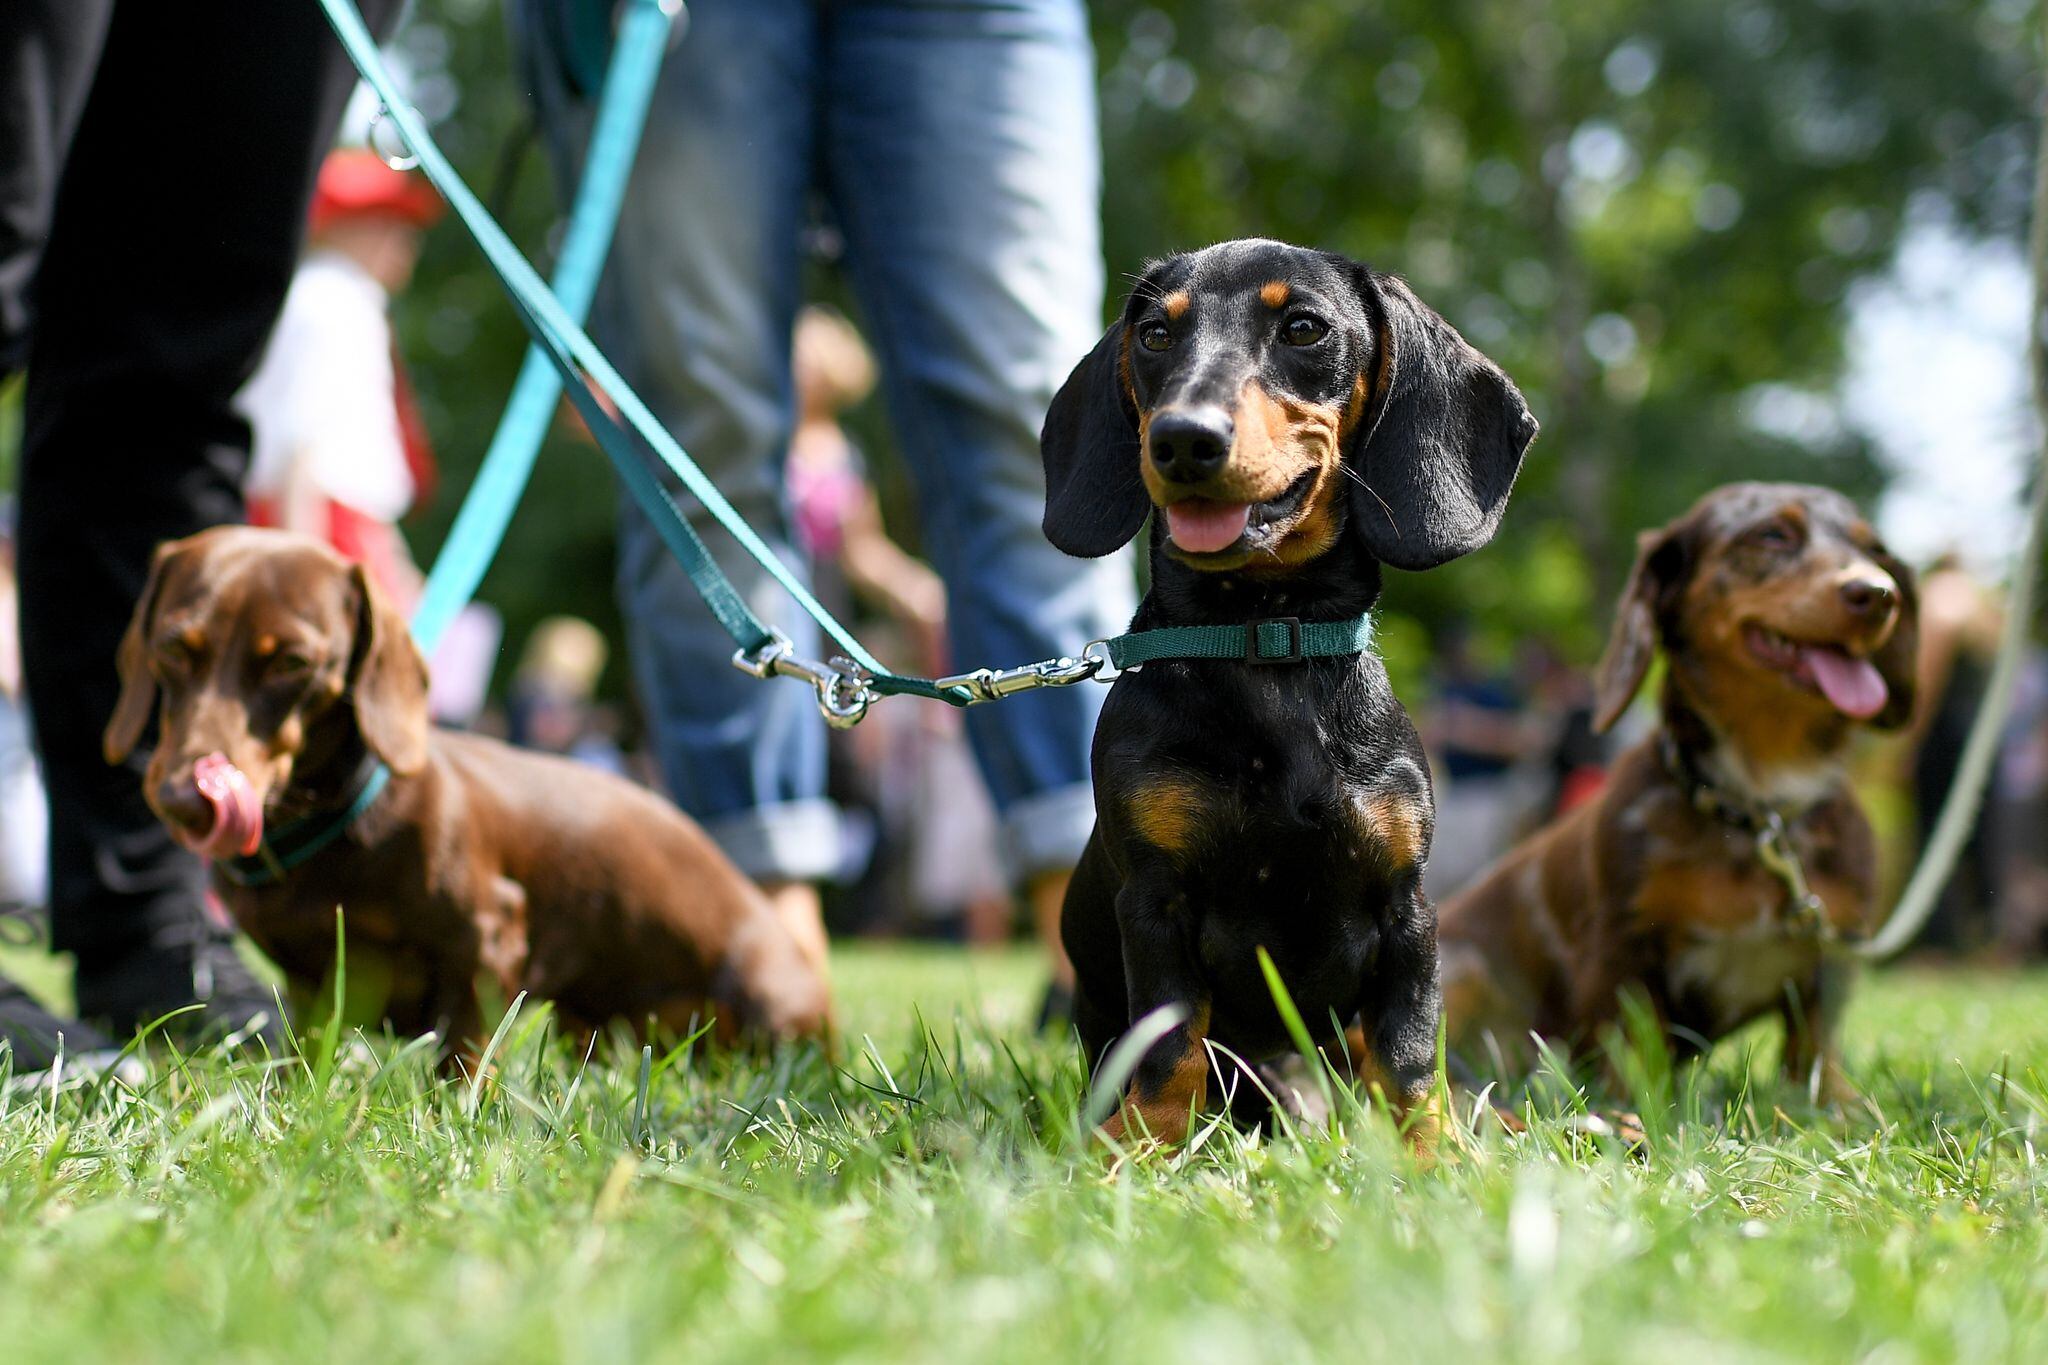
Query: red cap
x=355, y=183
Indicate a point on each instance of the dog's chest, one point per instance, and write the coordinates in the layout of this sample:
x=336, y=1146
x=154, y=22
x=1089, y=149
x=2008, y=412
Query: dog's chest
x=1719, y=982
x=1731, y=947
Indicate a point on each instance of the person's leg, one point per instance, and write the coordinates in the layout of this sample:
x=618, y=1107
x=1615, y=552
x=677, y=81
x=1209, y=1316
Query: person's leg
x=176, y=227
x=696, y=312
x=48, y=49
x=961, y=153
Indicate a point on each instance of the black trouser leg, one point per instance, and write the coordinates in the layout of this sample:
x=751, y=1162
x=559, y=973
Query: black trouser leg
x=175, y=231
x=48, y=49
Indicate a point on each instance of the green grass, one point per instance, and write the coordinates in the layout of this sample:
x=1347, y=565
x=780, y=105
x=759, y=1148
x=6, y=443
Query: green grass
x=926, y=1199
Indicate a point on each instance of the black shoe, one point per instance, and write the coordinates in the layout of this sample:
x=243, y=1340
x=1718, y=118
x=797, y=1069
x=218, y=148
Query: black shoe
x=142, y=988
x=36, y=1037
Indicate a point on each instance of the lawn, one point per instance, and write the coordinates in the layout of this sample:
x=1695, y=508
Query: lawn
x=925, y=1198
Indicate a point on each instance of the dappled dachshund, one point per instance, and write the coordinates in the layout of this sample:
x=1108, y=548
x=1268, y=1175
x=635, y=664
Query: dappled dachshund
x=294, y=751
x=1726, y=849
x=1297, y=420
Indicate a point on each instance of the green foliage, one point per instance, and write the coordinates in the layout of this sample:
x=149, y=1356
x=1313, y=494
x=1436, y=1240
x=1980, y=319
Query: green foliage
x=925, y=1199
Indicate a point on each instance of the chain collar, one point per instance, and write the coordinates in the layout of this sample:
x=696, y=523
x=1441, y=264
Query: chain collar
x=1802, y=912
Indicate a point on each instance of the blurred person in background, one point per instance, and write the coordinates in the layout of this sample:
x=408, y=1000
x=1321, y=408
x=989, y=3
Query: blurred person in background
x=956, y=148
x=1479, y=733
x=341, y=453
x=141, y=267
x=1960, y=623
x=24, y=816
x=552, y=702
x=1561, y=709
x=2019, y=813
x=918, y=834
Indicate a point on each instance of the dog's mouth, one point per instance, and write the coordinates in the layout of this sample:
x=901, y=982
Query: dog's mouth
x=1852, y=685
x=237, y=828
x=1208, y=526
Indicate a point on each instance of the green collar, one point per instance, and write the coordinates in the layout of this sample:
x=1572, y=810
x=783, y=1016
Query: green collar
x=1276, y=640
x=293, y=843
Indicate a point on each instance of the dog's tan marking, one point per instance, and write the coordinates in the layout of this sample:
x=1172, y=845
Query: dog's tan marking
x=1279, y=440
x=1394, y=824
x=1164, y=1113
x=1274, y=293
x=264, y=647
x=1176, y=305
x=1418, y=1113
x=1167, y=812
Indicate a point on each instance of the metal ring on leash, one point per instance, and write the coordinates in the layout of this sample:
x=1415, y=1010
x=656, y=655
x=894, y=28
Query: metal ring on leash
x=397, y=161
x=841, y=685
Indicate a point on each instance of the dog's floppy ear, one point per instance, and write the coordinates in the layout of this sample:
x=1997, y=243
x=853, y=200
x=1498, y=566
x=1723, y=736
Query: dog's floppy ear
x=1438, y=457
x=387, y=681
x=131, y=660
x=1094, y=498
x=1899, y=661
x=1663, y=561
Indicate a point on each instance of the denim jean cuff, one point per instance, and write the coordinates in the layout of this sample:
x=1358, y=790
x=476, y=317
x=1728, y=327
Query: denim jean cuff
x=792, y=841
x=1046, y=832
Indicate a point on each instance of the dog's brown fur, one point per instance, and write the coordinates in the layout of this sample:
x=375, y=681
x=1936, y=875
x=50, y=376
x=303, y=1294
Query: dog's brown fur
x=479, y=862
x=1647, y=889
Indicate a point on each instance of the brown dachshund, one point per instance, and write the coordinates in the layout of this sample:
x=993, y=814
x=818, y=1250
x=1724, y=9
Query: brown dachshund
x=1726, y=849
x=295, y=752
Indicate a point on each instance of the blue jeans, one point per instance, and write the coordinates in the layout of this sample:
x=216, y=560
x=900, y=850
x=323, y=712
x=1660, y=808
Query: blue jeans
x=956, y=145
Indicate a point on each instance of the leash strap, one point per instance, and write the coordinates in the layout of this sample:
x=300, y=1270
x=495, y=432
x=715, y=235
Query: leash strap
x=294, y=843
x=585, y=372
x=501, y=480
x=1278, y=640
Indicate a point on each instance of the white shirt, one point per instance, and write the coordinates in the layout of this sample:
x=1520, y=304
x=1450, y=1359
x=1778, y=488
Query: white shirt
x=322, y=403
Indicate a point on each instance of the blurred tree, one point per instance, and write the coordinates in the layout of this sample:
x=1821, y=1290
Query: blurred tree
x=1650, y=213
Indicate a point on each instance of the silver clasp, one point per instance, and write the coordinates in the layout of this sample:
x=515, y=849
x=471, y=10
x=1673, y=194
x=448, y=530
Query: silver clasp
x=841, y=685
x=403, y=160
x=993, y=684
x=1774, y=850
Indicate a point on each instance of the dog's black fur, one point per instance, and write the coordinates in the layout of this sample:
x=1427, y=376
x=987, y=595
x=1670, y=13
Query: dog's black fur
x=1284, y=806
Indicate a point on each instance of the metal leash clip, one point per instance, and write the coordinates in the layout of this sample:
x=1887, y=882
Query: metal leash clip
x=1774, y=850
x=993, y=684
x=841, y=685
x=403, y=160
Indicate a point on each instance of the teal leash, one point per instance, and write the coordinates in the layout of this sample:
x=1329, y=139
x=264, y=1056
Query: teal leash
x=847, y=684
x=486, y=512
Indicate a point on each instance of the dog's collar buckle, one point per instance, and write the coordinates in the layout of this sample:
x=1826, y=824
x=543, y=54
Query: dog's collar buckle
x=1254, y=633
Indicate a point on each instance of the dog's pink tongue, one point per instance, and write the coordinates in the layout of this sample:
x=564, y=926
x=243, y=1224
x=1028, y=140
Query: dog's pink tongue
x=1854, y=685
x=237, y=815
x=1203, y=527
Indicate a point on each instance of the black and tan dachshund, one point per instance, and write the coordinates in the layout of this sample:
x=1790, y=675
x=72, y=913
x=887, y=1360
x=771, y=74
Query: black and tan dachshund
x=1297, y=420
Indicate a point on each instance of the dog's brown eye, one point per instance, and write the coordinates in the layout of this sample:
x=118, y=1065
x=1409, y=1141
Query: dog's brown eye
x=1153, y=336
x=1304, y=330
x=285, y=663
x=1775, y=535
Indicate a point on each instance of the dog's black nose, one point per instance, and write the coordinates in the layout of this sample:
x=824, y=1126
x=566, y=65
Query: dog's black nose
x=179, y=801
x=1190, y=444
x=1868, y=596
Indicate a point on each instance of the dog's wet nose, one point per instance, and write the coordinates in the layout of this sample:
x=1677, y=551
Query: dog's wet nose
x=1868, y=597
x=179, y=801
x=1190, y=444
